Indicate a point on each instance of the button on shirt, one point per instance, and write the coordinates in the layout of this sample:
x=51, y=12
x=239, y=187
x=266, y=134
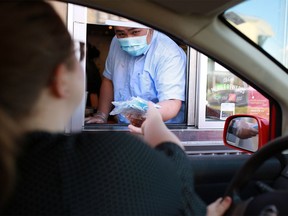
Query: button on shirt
x=157, y=75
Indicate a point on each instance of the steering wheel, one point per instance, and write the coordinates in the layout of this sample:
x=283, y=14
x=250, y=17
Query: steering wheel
x=242, y=177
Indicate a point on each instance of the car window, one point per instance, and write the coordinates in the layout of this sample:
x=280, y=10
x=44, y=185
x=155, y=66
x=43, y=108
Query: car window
x=265, y=23
x=212, y=92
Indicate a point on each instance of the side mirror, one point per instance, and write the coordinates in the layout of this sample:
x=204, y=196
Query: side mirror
x=245, y=132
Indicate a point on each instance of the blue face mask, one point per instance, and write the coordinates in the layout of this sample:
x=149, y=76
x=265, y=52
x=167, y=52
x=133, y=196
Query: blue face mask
x=135, y=46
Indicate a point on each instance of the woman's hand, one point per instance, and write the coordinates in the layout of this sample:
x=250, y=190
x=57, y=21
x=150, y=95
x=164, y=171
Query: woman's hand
x=219, y=207
x=134, y=129
x=153, y=116
x=154, y=130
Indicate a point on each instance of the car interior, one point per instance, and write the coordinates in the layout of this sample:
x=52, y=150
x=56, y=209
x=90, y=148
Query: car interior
x=215, y=32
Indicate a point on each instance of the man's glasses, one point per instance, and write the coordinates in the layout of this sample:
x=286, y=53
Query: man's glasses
x=79, y=48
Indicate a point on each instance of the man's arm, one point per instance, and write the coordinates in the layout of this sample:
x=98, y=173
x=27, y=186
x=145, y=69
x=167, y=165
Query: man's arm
x=106, y=96
x=105, y=105
x=169, y=108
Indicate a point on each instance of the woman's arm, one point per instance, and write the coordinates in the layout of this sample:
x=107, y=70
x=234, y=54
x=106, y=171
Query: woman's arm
x=158, y=136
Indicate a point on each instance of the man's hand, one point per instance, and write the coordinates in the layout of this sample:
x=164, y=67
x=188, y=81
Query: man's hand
x=245, y=131
x=98, y=118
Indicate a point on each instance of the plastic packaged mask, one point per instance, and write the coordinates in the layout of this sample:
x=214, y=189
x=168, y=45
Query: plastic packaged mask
x=134, y=110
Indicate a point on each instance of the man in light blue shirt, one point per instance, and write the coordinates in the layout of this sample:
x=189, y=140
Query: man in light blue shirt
x=145, y=63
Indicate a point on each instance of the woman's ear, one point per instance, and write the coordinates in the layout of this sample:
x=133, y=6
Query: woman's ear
x=60, y=82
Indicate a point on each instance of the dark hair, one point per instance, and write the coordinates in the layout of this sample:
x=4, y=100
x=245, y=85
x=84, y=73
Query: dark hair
x=92, y=52
x=33, y=41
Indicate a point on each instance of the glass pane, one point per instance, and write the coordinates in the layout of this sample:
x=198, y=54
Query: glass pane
x=226, y=95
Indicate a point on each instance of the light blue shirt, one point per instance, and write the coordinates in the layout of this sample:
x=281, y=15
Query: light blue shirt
x=157, y=75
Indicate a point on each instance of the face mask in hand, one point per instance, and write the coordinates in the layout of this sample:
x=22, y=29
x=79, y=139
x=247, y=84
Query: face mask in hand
x=135, y=46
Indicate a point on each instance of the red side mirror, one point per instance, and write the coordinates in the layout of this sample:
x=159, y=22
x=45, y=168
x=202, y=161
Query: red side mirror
x=245, y=132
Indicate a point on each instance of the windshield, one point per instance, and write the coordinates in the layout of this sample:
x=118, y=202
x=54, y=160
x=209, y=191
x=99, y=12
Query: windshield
x=265, y=22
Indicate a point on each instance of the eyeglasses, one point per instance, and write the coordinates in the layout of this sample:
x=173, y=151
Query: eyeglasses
x=79, y=48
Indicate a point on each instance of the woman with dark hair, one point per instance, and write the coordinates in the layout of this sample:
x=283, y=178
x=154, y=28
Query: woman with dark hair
x=45, y=172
